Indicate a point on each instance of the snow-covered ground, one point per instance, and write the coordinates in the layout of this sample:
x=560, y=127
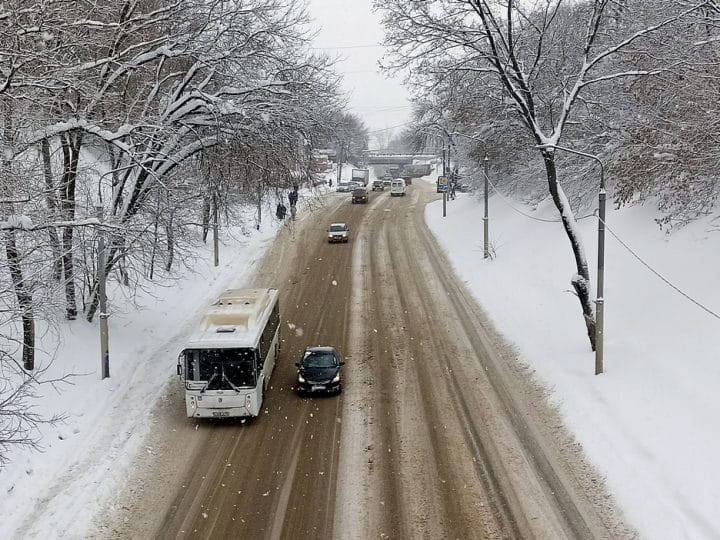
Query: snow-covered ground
x=648, y=423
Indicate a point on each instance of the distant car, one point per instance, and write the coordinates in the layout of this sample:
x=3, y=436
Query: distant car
x=378, y=185
x=343, y=186
x=387, y=180
x=359, y=195
x=338, y=232
x=319, y=370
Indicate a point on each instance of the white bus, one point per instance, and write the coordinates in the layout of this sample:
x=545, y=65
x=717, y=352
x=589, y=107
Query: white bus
x=227, y=362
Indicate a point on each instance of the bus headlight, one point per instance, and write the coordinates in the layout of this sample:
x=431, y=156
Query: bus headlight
x=248, y=401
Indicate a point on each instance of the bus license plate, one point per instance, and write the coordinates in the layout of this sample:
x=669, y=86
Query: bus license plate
x=318, y=387
x=221, y=413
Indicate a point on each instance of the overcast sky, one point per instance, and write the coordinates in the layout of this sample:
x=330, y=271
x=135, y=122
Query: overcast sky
x=350, y=31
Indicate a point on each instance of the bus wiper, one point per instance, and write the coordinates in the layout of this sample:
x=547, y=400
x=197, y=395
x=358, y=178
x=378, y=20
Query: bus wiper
x=225, y=377
x=202, y=390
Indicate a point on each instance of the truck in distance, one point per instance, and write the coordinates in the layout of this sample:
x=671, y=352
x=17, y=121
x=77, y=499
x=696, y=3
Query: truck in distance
x=361, y=176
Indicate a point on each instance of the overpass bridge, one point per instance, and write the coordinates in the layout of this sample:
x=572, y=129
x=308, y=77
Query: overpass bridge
x=380, y=158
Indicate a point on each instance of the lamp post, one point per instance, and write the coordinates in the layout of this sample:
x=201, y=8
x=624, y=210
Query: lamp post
x=599, y=300
x=486, y=218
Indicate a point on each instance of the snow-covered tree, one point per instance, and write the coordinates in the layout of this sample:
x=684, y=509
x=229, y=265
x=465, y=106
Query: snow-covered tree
x=541, y=62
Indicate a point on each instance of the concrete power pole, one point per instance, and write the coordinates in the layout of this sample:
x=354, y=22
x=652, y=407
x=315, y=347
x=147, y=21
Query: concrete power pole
x=486, y=219
x=102, y=296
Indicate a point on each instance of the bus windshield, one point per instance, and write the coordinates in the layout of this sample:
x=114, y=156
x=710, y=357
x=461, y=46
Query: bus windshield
x=221, y=369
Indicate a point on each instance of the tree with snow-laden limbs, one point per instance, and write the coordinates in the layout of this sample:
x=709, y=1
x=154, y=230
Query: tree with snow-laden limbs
x=538, y=67
x=118, y=104
x=144, y=87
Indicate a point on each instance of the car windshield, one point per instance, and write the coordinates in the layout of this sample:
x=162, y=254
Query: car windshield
x=337, y=228
x=319, y=360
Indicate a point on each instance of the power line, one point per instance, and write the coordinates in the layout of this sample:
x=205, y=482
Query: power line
x=389, y=128
x=663, y=278
x=507, y=202
x=623, y=244
x=346, y=47
x=380, y=109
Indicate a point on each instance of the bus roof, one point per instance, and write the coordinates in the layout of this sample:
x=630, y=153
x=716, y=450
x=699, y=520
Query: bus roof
x=236, y=319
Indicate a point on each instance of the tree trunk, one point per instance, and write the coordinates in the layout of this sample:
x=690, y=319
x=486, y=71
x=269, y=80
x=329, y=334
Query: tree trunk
x=170, y=234
x=24, y=301
x=259, y=206
x=205, y=219
x=94, y=302
x=71, y=143
x=52, y=206
x=581, y=280
x=156, y=226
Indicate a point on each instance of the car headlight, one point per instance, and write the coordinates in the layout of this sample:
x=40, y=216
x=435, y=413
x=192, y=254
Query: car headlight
x=336, y=378
x=301, y=379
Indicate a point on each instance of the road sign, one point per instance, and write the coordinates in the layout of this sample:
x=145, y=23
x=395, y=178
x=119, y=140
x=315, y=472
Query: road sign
x=442, y=184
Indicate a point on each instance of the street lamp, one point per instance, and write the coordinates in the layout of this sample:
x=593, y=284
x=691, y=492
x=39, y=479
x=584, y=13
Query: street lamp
x=600, y=300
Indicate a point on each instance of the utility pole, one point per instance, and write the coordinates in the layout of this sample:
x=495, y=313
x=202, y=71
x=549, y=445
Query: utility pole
x=446, y=186
x=102, y=296
x=486, y=219
x=600, y=300
x=340, y=162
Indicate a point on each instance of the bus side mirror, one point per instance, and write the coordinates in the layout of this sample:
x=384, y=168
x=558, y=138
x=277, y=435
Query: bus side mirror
x=179, y=369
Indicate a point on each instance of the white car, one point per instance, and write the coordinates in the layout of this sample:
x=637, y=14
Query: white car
x=343, y=186
x=338, y=232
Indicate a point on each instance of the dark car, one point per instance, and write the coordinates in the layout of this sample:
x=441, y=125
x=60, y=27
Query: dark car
x=319, y=370
x=359, y=195
x=378, y=185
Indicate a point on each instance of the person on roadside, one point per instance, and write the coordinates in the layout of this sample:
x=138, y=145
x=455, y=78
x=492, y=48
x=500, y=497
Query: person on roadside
x=281, y=210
